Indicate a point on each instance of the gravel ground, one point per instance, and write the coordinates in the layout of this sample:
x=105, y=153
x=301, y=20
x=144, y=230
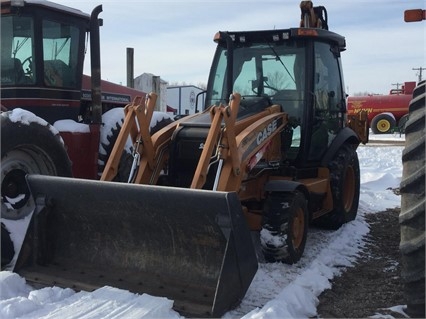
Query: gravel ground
x=374, y=284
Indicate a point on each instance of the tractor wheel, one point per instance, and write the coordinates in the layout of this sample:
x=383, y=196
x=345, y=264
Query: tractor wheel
x=29, y=145
x=412, y=216
x=112, y=122
x=285, y=227
x=159, y=121
x=345, y=185
x=383, y=123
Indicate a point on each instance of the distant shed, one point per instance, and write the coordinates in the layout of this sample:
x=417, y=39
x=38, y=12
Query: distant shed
x=148, y=82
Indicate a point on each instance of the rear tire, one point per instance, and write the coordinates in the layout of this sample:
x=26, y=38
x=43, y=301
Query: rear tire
x=27, y=147
x=412, y=216
x=159, y=121
x=383, y=123
x=285, y=227
x=345, y=185
x=112, y=122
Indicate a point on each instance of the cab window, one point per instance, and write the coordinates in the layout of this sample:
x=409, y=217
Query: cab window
x=17, y=51
x=60, y=54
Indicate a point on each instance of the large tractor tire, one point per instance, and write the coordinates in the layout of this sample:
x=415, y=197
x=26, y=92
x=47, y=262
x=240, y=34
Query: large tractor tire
x=412, y=216
x=112, y=122
x=29, y=145
x=285, y=227
x=383, y=123
x=345, y=186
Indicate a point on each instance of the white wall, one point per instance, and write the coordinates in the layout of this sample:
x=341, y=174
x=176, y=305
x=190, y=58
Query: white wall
x=183, y=98
x=148, y=83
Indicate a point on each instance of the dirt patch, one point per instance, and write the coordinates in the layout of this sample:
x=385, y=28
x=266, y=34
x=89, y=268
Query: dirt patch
x=374, y=283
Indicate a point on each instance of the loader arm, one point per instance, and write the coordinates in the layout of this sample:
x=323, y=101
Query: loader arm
x=251, y=145
x=150, y=151
x=151, y=164
x=235, y=146
x=139, y=111
x=216, y=138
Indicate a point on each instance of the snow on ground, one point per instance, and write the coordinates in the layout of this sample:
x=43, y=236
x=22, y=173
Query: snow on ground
x=277, y=291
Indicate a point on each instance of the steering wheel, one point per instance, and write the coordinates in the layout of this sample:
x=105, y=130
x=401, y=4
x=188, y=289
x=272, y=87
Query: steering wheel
x=28, y=71
x=51, y=75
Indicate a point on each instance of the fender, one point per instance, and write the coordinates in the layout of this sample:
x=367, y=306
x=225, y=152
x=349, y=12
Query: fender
x=286, y=186
x=346, y=135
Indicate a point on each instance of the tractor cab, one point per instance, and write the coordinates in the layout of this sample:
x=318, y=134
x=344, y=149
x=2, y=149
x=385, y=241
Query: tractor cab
x=42, y=52
x=299, y=69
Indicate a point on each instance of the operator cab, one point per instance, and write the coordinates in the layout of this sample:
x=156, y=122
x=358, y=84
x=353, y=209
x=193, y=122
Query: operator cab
x=298, y=69
x=42, y=52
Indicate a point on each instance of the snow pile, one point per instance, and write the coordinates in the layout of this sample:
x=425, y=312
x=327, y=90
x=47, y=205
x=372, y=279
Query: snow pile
x=71, y=126
x=26, y=117
x=277, y=291
x=19, y=301
x=381, y=171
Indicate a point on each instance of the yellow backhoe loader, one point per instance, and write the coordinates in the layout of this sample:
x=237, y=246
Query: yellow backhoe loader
x=266, y=161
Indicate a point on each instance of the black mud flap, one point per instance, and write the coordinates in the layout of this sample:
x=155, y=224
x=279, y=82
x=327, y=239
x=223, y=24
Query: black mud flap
x=191, y=246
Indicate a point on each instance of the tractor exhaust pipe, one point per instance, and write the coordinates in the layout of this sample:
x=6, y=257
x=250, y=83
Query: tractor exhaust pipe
x=95, y=61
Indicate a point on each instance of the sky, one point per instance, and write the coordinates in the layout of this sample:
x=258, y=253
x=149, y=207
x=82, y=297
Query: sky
x=174, y=39
x=277, y=291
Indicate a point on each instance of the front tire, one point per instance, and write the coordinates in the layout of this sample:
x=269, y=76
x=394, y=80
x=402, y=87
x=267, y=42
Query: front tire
x=285, y=227
x=29, y=145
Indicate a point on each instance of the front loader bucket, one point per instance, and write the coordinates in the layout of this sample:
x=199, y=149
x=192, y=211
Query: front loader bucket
x=192, y=246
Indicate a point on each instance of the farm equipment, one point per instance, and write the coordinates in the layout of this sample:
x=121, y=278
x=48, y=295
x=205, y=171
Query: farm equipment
x=41, y=72
x=263, y=163
x=50, y=124
x=385, y=112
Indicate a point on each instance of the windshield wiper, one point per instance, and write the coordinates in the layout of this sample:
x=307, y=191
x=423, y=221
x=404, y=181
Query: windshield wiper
x=281, y=61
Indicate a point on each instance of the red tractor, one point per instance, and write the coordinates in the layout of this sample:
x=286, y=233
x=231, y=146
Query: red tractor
x=56, y=121
x=385, y=112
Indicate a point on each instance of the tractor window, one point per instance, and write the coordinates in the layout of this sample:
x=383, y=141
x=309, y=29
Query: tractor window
x=60, y=54
x=328, y=93
x=271, y=70
x=217, y=91
x=17, y=51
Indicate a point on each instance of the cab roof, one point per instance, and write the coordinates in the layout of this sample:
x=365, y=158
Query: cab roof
x=44, y=4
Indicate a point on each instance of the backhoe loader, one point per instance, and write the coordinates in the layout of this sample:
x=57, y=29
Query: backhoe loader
x=273, y=151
